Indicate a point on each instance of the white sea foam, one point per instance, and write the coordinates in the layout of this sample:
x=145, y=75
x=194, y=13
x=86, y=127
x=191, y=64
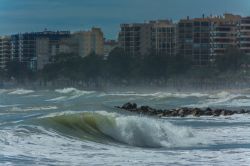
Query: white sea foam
x=66, y=90
x=72, y=93
x=44, y=108
x=45, y=147
x=148, y=132
x=131, y=130
x=155, y=95
x=5, y=106
x=223, y=98
x=222, y=94
x=61, y=98
x=21, y=92
x=73, y=90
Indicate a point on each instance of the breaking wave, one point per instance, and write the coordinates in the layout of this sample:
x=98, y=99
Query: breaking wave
x=70, y=94
x=44, y=108
x=73, y=90
x=132, y=130
x=21, y=92
x=224, y=99
x=156, y=95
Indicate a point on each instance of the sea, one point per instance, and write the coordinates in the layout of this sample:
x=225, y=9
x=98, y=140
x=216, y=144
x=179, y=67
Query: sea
x=71, y=127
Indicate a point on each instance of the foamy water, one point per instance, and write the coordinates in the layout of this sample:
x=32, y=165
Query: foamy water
x=75, y=127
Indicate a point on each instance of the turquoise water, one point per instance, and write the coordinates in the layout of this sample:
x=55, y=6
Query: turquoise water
x=74, y=127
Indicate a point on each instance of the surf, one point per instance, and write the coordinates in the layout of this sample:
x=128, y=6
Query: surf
x=108, y=128
x=21, y=92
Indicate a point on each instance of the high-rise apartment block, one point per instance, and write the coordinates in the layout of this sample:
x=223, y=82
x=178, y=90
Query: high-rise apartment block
x=35, y=49
x=39, y=48
x=194, y=39
x=243, y=35
x=143, y=38
x=202, y=39
x=87, y=42
x=4, y=51
x=207, y=37
x=135, y=38
x=163, y=37
x=223, y=34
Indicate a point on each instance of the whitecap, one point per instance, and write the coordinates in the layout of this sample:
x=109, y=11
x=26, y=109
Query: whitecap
x=21, y=92
x=61, y=98
x=72, y=93
x=43, y=108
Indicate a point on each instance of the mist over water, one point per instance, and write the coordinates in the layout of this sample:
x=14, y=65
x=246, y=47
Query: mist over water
x=76, y=127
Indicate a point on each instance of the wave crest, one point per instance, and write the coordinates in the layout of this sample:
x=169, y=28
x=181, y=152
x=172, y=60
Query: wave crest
x=21, y=92
x=70, y=94
x=72, y=90
x=131, y=130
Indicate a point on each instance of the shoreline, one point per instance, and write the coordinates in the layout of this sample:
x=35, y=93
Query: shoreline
x=178, y=85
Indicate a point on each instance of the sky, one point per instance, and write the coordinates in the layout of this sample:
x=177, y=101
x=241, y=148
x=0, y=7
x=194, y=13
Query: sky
x=17, y=16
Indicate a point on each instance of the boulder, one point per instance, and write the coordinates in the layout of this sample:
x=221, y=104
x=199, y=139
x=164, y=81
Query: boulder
x=145, y=108
x=208, y=109
x=217, y=112
x=226, y=113
x=208, y=113
x=174, y=113
x=129, y=106
x=196, y=112
x=167, y=113
x=181, y=112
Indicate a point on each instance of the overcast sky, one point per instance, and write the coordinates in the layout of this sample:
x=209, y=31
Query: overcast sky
x=36, y=15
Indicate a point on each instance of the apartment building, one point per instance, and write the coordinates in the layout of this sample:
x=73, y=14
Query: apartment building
x=163, y=37
x=24, y=47
x=142, y=38
x=135, y=38
x=83, y=43
x=42, y=52
x=243, y=35
x=4, y=51
x=206, y=37
x=223, y=33
x=185, y=37
x=194, y=39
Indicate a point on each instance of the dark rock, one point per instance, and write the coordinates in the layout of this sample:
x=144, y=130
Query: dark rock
x=129, y=106
x=145, y=108
x=167, y=112
x=196, y=112
x=226, y=113
x=235, y=112
x=174, y=113
x=216, y=112
x=208, y=113
x=208, y=110
x=160, y=115
x=243, y=111
x=181, y=112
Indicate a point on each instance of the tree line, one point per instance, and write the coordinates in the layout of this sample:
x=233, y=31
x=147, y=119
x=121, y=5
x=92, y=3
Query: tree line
x=120, y=65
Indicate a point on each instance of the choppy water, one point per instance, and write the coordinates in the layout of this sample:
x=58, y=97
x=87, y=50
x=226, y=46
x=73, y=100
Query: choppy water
x=73, y=127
